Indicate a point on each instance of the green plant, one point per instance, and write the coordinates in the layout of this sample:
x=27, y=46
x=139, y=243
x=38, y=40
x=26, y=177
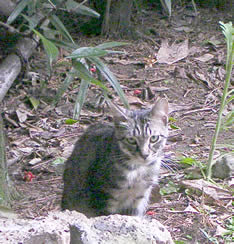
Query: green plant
x=228, y=32
x=49, y=27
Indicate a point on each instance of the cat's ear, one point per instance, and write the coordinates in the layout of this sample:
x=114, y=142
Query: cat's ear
x=119, y=114
x=160, y=110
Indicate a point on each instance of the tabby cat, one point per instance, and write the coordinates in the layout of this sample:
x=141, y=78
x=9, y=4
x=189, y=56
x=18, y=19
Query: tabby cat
x=113, y=168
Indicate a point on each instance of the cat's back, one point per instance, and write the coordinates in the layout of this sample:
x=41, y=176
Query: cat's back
x=93, y=140
x=95, y=134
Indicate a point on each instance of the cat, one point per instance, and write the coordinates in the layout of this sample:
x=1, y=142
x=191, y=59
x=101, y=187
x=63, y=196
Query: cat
x=114, y=167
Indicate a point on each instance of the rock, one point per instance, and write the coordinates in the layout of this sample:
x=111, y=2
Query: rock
x=57, y=226
x=223, y=168
x=119, y=229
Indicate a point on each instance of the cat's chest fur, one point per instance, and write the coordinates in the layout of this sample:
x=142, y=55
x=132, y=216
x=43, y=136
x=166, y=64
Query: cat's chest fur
x=132, y=195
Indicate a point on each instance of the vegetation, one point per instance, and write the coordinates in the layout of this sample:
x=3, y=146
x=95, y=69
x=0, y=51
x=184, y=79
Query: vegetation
x=79, y=61
x=227, y=121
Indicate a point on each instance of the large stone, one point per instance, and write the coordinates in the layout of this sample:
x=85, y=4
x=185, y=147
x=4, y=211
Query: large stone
x=224, y=167
x=56, y=229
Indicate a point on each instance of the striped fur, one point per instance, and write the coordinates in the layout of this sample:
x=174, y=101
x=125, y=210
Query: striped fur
x=113, y=168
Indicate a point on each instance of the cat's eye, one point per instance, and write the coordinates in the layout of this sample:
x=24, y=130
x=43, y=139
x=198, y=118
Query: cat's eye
x=154, y=139
x=131, y=140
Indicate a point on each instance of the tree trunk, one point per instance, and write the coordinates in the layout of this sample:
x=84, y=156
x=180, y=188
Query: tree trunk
x=12, y=65
x=10, y=68
x=117, y=18
x=4, y=179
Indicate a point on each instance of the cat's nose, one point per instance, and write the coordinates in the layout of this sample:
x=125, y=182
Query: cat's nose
x=144, y=156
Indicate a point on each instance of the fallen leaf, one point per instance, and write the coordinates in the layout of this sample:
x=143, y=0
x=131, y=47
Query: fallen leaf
x=133, y=100
x=220, y=231
x=206, y=57
x=184, y=28
x=22, y=115
x=190, y=209
x=171, y=54
x=34, y=161
x=35, y=102
x=212, y=191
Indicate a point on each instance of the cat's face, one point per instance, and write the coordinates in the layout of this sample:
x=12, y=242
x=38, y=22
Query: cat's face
x=142, y=134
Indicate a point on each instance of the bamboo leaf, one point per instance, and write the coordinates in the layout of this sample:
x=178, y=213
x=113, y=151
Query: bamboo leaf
x=80, y=9
x=83, y=73
x=32, y=21
x=51, y=50
x=17, y=11
x=61, y=28
x=110, y=77
x=84, y=86
x=85, y=52
x=70, y=77
x=111, y=45
x=63, y=44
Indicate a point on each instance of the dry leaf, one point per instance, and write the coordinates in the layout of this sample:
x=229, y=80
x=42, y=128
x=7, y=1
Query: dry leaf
x=171, y=54
x=210, y=190
x=22, y=115
x=191, y=209
x=206, y=57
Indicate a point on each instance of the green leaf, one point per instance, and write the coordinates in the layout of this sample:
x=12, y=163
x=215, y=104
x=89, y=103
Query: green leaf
x=57, y=161
x=51, y=50
x=63, y=44
x=169, y=188
x=80, y=9
x=228, y=120
x=61, y=28
x=70, y=121
x=31, y=20
x=70, y=77
x=84, y=86
x=174, y=127
x=17, y=11
x=171, y=119
x=110, y=77
x=187, y=161
x=111, y=45
x=85, y=52
x=228, y=31
x=35, y=102
x=83, y=73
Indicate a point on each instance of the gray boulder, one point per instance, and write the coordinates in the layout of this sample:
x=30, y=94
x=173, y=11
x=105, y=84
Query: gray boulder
x=71, y=227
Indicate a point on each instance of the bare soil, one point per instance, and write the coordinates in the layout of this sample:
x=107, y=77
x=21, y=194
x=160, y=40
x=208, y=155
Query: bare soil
x=193, y=86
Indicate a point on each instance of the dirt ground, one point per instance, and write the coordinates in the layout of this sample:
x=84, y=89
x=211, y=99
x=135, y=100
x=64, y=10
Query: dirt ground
x=39, y=140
